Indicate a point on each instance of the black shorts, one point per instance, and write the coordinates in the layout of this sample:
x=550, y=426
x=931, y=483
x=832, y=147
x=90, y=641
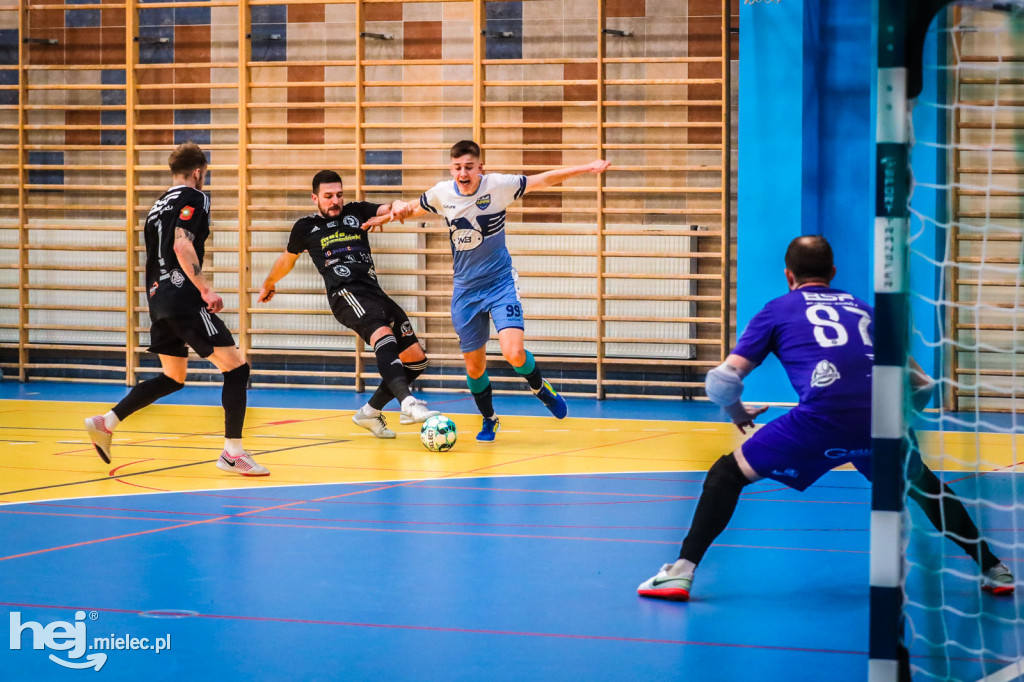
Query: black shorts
x=365, y=309
x=202, y=331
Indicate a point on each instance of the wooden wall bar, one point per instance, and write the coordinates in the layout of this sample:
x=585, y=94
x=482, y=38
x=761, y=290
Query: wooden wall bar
x=625, y=277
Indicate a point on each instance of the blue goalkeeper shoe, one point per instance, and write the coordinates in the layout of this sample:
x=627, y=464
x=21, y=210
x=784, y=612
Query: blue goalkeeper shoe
x=489, y=429
x=554, y=402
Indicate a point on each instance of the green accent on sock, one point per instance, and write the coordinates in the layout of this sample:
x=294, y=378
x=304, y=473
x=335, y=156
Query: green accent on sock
x=480, y=384
x=528, y=366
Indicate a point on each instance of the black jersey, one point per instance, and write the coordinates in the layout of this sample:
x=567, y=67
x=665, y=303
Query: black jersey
x=171, y=292
x=339, y=247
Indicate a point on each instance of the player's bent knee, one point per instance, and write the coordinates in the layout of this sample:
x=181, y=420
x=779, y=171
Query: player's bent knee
x=515, y=357
x=725, y=473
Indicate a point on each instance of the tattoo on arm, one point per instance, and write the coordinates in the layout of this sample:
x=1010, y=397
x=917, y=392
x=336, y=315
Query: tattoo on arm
x=182, y=233
x=196, y=269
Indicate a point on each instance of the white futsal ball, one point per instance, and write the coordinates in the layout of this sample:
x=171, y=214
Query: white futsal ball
x=438, y=433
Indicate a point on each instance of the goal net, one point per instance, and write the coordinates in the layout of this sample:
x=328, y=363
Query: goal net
x=966, y=304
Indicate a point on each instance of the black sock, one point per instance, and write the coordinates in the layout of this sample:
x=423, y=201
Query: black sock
x=382, y=396
x=390, y=367
x=717, y=502
x=146, y=393
x=947, y=513
x=480, y=387
x=233, y=398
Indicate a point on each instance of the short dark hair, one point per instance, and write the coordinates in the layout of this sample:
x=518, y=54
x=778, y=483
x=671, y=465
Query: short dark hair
x=809, y=258
x=186, y=158
x=463, y=147
x=325, y=177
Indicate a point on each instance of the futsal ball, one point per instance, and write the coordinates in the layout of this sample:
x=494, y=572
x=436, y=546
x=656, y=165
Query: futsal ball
x=438, y=433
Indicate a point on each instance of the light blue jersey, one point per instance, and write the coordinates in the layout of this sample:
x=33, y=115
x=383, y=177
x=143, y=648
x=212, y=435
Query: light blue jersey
x=476, y=226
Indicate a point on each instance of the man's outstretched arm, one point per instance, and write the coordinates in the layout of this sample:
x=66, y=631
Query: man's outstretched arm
x=559, y=175
x=282, y=266
x=398, y=210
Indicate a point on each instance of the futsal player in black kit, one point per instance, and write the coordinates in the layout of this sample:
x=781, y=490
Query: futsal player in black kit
x=182, y=309
x=340, y=249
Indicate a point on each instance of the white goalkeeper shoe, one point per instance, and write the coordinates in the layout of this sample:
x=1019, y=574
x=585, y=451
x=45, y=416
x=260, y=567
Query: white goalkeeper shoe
x=998, y=580
x=667, y=584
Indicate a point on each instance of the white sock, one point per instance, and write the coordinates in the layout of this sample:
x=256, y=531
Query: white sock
x=111, y=421
x=682, y=568
x=369, y=411
x=233, y=446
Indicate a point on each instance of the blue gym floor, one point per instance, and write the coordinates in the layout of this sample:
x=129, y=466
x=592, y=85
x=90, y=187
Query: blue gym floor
x=488, y=578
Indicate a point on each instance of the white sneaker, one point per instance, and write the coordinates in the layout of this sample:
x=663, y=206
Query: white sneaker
x=244, y=464
x=998, y=580
x=100, y=436
x=416, y=411
x=665, y=585
x=378, y=425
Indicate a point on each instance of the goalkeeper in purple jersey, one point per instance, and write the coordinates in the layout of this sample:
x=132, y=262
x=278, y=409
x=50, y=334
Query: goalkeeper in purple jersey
x=823, y=337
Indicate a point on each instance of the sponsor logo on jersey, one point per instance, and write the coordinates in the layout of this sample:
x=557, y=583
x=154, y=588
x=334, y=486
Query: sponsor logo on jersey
x=333, y=223
x=839, y=453
x=152, y=289
x=350, y=221
x=186, y=213
x=818, y=297
x=177, y=279
x=316, y=228
x=338, y=238
x=824, y=374
x=372, y=273
x=406, y=328
x=467, y=239
x=328, y=263
x=786, y=473
x=483, y=202
x=342, y=271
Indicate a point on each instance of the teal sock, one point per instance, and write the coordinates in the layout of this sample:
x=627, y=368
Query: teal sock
x=481, y=390
x=530, y=372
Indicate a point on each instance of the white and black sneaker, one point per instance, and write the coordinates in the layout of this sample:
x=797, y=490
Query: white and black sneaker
x=415, y=411
x=244, y=465
x=100, y=436
x=378, y=425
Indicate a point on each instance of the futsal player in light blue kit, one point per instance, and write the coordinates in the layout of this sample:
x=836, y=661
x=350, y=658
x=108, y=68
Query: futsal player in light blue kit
x=473, y=205
x=822, y=336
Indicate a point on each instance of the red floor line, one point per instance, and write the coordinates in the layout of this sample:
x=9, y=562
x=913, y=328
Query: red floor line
x=517, y=504
x=228, y=521
x=475, y=631
x=414, y=523
x=84, y=516
x=99, y=540
x=427, y=485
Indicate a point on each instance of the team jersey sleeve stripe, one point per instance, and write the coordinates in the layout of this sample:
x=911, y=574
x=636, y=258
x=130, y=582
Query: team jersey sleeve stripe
x=522, y=187
x=425, y=204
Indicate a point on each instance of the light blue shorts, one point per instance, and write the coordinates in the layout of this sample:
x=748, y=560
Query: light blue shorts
x=473, y=308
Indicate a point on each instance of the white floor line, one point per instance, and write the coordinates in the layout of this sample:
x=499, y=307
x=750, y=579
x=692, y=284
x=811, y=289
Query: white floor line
x=1014, y=671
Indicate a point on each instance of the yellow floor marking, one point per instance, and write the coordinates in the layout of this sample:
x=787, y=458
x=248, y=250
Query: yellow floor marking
x=154, y=452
